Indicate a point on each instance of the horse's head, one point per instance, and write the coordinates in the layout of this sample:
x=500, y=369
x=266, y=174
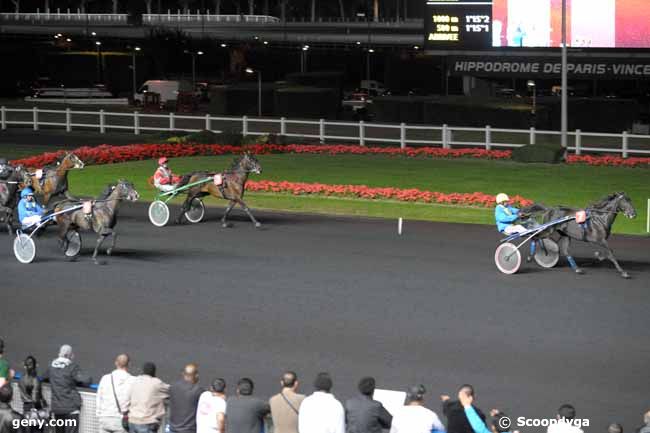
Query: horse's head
x=70, y=160
x=5, y=168
x=250, y=163
x=624, y=204
x=126, y=190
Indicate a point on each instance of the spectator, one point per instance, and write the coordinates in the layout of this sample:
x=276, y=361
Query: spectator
x=245, y=412
x=114, y=396
x=615, y=428
x=565, y=415
x=476, y=422
x=6, y=373
x=646, y=422
x=321, y=412
x=8, y=416
x=455, y=413
x=211, y=412
x=148, y=395
x=286, y=405
x=64, y=376
x=363, y=414
x=183, y=400
x=413, y=417
x=31, y=393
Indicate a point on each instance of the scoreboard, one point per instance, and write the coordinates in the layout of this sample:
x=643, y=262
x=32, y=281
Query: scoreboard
x=460, y=24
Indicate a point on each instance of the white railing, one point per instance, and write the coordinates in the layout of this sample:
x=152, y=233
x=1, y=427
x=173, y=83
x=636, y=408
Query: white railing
x=187, y=17
x=67, y=16
x=446, y=136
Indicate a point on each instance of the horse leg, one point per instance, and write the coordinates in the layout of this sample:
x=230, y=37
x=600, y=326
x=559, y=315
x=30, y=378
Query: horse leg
x=231, y=205
x=109, y=250
x=248, y=212
x=100, y=240
x=610, y=256
x=563, y=243
x=184, y=208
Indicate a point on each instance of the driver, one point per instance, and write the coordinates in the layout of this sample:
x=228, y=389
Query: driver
x=29, y=211
x=163, y=178
x=505, y=215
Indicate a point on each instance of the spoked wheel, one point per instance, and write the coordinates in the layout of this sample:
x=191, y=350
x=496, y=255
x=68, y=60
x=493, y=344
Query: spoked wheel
x=196, y=211
x=24, y=248
x=74, y=243
x=507, y=258
x=547, y=253
x=158, y=213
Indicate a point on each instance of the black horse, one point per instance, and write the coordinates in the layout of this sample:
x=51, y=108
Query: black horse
x=11, y=180
x=596, y=229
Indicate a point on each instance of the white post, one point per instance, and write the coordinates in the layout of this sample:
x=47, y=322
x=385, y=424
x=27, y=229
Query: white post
x=244, y=125
x=3, y=117
x=321, y=130
x=136, y=123
x=172, y=122
x=445, y=137
x=207, y=122
x=399, y=226
x=402, y=135
x=102, y=122
x=68, y=120
x=625, y=143
x=532, y=135
x=362, y=133
x=283, y=126
x=488, y=137
x=578, y=142
x=35, y=116
x=647, y=224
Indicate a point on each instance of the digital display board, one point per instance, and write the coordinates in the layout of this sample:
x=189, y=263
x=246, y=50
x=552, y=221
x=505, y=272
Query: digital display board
x=477, y=24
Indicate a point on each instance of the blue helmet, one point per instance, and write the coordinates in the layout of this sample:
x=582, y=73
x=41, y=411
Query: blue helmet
x=25, y=192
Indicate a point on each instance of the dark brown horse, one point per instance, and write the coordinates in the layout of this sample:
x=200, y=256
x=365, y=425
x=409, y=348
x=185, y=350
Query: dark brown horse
x=101, y=220
x=10, y=183
x=232, y=188
x=55, y=179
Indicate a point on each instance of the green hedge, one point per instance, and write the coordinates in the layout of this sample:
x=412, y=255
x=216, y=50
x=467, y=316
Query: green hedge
x=548, y=153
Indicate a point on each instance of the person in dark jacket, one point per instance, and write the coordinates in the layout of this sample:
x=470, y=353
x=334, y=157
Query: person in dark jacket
x=65, y=376
x=183, y=400
x=245, y=413
x=8, y=416
x=363, y=414
x=454, y=411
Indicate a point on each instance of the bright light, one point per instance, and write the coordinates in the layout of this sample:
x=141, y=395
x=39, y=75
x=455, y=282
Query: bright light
x=250, y=71
x=138, y=48
x=416, y=47
x=266, y=42
x=93, y=34
x=223, y=45
x=98, y=43
x=59, y=35
x=200, y=53
x=530, y=83
x=256, y=37
x=56, y=36
x=358, y=43
x=371, y=50
x=68, y=40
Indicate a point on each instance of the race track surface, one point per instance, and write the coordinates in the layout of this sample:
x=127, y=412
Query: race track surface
x=349, y=296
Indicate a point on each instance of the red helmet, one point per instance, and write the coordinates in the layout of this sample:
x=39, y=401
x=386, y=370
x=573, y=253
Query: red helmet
x=162, y=160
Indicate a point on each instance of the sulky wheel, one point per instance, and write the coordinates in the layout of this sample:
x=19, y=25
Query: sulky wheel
x=158, y=213
x=24, y=248
x=507, y=258
x=547, y=253
x=196, y=211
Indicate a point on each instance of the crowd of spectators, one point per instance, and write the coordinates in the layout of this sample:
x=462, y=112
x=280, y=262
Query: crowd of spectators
x=140, y=404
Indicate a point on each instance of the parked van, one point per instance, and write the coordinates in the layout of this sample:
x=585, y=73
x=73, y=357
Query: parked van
x=167, y=89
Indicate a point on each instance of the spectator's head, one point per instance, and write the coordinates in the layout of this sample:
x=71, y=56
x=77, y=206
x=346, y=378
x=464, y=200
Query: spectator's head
x=566, y=412
x=2, y=346
x=498, y=425
x=6, y=394
x=122, y=361
x=323, y=382
x=66, y=352
x=191, y=373
x=245, y=386
x=615, y=428
x=415, y=394
x=646, y=418
x=367, y=386
x=149, y=368
x=30, y=365
x=467, y=389
x=289, y=380
x=218, y=385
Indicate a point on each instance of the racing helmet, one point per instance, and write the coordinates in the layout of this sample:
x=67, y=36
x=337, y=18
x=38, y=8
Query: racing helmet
x=26, y=191
x=501, y=197
x=162, y=160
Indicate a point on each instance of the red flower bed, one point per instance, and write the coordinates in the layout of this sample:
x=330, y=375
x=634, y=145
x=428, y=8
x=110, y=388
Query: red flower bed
x=609, y=160
x=365, y=192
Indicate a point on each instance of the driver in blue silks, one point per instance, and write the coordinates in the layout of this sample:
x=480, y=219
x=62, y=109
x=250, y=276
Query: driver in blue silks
x=29, y=211
x=506, y=215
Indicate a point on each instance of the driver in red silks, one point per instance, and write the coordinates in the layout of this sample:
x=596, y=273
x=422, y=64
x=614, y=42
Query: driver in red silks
x=163, y=178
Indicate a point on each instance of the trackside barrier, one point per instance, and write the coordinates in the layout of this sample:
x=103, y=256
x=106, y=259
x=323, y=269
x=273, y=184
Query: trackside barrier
x=624, y=144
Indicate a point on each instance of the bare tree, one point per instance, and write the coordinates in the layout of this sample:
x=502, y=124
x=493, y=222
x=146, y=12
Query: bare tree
x=185, y=5
x=342, y=9
x=266, y=7
x=148, y=4
x=283, y=10
x=217, y=7
x=375, y=10
x=115, y=5
x=16, y=5
x=313, y=10
x=251, y=7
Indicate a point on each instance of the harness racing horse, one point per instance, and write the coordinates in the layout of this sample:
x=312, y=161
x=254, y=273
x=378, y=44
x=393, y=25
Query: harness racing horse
x=232, y=187
x=596, y=229
x=10, y=184
x=55, y=182
x=101, y=218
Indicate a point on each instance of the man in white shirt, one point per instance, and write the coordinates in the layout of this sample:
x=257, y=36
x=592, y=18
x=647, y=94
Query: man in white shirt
x=321, y=412
x=413, y=417
x=566, y=418
x=211, y=410
x=114, y=396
